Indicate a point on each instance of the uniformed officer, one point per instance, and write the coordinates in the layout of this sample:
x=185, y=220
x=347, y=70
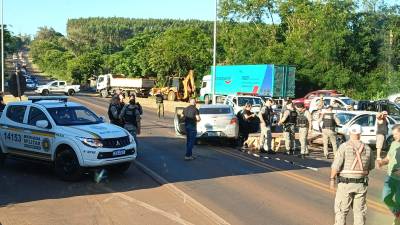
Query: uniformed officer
x=130, y=115
x=114, y=110
x=304, y=125
x=288, y=121
x=330, y=122
x=160, y=104
x=351, y=167
x=265, y=117
x=381, y=132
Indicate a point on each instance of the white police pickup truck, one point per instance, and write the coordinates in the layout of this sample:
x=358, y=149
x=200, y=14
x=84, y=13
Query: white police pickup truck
x=66, y=134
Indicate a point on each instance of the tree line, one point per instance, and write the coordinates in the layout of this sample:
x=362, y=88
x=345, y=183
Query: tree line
x=349, y=45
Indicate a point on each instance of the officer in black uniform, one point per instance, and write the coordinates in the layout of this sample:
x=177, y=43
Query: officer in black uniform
x=289, y=120
x=114, y=110
x=160, y=104
x=130, y=115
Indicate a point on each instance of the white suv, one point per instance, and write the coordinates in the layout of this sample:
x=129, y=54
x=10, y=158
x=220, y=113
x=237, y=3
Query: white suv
x=66, y=134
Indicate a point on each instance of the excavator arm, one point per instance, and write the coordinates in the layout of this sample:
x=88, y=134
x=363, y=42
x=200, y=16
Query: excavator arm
x=189, y=86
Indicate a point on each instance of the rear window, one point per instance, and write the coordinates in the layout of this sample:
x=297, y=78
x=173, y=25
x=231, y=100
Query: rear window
x=215, y=110
x=252, y=101
x=16, y=113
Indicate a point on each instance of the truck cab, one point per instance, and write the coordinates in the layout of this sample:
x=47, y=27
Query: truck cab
x=205, y=89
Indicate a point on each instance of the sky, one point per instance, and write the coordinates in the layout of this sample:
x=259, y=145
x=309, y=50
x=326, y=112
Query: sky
x=25, y=16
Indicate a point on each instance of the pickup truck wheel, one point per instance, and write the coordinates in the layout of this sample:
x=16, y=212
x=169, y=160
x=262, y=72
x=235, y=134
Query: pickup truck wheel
x=67, y=166
x=45, y=92
x=71, y=92
x=104, y=93
x=119, y=168
x=171, y=96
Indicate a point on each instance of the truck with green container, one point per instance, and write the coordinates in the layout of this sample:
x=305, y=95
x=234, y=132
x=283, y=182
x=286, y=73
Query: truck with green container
x=275, y=81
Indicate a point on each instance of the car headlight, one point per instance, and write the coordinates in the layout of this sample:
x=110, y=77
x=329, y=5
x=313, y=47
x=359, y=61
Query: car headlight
x=131, y=139
x=91, y=142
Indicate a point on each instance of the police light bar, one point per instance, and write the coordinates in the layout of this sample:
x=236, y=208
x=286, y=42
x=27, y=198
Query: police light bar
x=47, y=98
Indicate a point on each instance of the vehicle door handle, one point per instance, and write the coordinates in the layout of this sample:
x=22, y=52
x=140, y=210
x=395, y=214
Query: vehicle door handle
x=372, y=130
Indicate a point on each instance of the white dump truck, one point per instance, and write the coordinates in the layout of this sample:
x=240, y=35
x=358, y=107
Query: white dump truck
x=107, y=84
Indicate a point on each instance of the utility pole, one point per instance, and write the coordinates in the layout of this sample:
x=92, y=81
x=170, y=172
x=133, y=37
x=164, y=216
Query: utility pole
x=2, y=46
x=214, y=98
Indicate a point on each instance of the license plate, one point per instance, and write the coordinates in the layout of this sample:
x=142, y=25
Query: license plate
x=213, y=134
x=118, y=152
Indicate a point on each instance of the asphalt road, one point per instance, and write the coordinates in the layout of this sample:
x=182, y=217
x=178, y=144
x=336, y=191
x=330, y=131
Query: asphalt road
x=221, y=185
x=241, y=188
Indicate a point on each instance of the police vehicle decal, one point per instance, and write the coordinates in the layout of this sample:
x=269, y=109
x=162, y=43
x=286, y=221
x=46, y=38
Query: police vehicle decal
x=89, y=132
x=27, y=138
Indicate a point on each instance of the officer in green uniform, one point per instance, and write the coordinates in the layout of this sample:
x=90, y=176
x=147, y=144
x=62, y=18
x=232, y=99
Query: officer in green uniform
x=330, y=121
x=304, y=125
x=289, y=120
x=351, y=167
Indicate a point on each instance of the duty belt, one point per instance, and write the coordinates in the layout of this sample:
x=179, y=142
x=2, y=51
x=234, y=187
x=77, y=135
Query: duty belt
x=362, y=180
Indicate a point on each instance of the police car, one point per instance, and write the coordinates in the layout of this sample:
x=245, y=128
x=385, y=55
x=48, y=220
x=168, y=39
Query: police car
x=66, y=134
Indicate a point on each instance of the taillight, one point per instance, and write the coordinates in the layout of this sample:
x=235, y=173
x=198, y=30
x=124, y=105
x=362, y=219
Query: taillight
x=233, y=121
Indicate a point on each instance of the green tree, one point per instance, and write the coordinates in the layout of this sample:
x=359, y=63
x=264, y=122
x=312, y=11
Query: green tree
x=178, y=50
x=81, y=68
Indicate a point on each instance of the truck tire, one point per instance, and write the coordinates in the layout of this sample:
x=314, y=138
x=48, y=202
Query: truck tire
x=67, y=166
x=206, y=99
x=104, y=93
x=45, y=92
x=171, y=96
x=71, y=92
x=119, y=168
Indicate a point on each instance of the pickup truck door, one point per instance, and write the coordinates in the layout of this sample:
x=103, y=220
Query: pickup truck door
x=367, y=123
x=53, y=87
x=12, y=129
x=179, y=122
x=38, y=140
x=61, y=86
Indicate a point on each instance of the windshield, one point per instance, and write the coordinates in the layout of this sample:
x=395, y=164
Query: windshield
x=70, y=116
x=344, y=117
x=214, y=110
x=252, y=101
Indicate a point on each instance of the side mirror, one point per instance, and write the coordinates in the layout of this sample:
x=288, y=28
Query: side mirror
x=42, y=123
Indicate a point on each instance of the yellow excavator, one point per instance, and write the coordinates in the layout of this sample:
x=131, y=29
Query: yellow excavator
x=178, y=88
